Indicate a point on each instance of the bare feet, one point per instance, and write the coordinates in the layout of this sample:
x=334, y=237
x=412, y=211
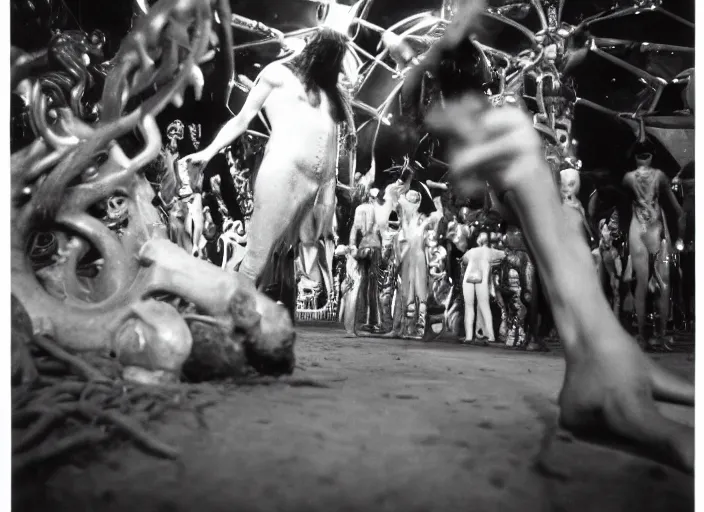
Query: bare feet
x=608, y=397
x=610, y=386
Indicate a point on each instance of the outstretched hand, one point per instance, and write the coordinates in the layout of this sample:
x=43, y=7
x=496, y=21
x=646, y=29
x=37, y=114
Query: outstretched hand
x=617, y=409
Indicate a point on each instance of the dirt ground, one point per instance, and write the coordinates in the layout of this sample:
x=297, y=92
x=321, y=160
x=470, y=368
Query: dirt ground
x=401, y=426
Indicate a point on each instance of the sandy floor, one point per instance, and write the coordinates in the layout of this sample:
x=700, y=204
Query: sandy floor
x=402, y=426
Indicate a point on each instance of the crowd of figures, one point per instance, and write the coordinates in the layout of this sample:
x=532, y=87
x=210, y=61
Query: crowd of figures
x=411, y=261
x=407, y=259
x=415, y=272
x=469, y=271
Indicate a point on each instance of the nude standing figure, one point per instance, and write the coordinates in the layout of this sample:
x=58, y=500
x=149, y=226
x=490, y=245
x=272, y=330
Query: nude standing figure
x=294, y=190
x=649, y=238
x=475, y=284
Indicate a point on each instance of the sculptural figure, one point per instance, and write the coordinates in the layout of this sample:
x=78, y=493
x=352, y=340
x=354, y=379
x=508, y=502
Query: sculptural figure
x=388, y=265
x=440, y=286
x=570, y=183
x=388, y=272
x=349, y=289
x=231, y=244
x=516, y=287
x=75, y=60
x=365, y=246
x=242, y=179
x=302, y=99
x=609, y=259
x=458, y=234
x=389, y=294
x=413, y=267
x=475, y=287
x=650, y=243
x=112, y=256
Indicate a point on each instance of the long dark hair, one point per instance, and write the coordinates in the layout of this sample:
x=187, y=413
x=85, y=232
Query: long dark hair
x=318, y=67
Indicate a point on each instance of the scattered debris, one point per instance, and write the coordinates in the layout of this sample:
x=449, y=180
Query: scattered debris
x=70, y=402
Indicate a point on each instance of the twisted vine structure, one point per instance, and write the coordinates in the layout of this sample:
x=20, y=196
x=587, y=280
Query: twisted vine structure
x=113, y=257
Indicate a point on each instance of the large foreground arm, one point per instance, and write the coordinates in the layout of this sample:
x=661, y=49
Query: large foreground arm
x=499, y=145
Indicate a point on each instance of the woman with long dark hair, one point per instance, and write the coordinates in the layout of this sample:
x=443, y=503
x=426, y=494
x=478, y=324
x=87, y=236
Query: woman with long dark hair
x=294, y=189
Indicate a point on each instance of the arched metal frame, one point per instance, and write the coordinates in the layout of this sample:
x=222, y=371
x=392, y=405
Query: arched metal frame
x=423, y=28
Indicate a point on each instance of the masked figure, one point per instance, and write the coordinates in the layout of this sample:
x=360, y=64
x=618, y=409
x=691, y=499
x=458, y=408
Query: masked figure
x=650, y=243
x=570, y=184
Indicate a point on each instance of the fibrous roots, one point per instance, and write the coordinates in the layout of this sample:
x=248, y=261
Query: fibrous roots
x=62, y=402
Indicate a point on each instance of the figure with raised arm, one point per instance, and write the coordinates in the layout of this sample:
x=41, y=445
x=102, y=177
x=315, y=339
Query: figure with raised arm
x=413, y=273
x=294, y=189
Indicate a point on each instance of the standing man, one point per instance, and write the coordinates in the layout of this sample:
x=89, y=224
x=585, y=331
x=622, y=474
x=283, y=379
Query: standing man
x=294, y=189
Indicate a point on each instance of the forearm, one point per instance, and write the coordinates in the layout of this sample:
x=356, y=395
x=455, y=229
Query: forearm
x=560, y=253
x=226, y=136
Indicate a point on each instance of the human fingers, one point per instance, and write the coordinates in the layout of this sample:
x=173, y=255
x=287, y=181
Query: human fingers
x=459, y=118
x=481, y=161
x=472, y=120
x=499, y=121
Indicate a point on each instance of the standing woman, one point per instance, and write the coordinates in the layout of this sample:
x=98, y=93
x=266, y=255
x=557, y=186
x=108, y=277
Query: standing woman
x=294, y=189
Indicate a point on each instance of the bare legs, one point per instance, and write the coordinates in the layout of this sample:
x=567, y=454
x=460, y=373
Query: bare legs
x=482, y=291
x=318, y=223
x=468, y=292
x=280, y=201
x=645, y=243
x=610, y=385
